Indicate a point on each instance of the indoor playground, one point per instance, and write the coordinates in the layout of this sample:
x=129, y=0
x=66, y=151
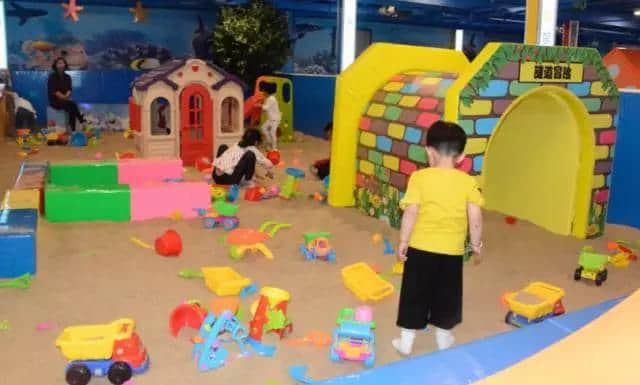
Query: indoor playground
x=125, y=260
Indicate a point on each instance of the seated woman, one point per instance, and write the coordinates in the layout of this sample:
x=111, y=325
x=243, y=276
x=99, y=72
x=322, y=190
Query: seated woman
x=59, y=90
x=237, y=164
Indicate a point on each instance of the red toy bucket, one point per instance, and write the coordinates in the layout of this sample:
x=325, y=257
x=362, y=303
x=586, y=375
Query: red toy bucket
x=253, y=194
x=169, y=244
x=274, y=157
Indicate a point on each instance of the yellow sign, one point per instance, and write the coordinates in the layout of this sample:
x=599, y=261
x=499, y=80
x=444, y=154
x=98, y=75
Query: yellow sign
x=531, y=72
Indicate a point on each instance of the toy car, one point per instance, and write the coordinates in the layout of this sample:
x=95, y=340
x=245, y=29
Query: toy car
x=317, y=246
x=535, y=303
x=592, y=266
x=111, y=350
x=353, y=339
x=223, y=214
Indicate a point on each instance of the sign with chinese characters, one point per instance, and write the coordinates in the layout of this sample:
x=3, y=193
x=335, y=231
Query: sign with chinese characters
x=532, y=72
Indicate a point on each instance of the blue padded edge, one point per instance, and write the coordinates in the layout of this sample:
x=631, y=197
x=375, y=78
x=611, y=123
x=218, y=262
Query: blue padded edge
x=18, y=221
x=474, y=361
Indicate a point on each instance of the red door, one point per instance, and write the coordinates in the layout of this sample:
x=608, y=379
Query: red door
x=196, y=131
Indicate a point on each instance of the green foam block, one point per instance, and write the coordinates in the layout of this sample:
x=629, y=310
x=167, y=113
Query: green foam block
x=83, y=174
x=82, y=204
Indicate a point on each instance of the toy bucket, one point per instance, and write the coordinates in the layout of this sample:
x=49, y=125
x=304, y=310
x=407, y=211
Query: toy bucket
x=169, y=244
x=253, y=194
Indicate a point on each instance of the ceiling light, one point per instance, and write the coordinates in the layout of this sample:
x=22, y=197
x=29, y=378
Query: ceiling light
x=636, y=12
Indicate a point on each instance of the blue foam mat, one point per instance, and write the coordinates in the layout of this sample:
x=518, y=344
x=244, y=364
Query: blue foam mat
x=474, y=361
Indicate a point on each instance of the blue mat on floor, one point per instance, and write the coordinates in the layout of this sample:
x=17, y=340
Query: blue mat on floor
x=472, y=362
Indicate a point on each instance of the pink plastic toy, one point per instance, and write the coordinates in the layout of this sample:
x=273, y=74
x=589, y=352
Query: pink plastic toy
x=364, y=314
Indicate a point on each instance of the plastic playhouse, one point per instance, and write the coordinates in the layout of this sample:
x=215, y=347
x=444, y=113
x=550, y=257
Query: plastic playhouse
x=353, y=339
x=535, y=303
x=363, y=281
x=592, y=266
x=317, y=246
x=113, y=350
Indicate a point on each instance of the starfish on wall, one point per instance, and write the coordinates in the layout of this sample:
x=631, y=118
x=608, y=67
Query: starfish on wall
x=71, y=10
x=139, y=13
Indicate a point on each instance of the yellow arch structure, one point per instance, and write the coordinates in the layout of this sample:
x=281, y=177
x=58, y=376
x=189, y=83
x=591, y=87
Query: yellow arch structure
x=354, y=90
x=542, y=152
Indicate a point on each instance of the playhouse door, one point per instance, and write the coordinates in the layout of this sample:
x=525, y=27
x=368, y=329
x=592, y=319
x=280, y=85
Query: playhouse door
x=196, y=129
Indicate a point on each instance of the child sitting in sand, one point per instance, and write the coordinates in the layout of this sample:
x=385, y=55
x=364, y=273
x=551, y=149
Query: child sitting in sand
x=237, y=164
x=439, y=205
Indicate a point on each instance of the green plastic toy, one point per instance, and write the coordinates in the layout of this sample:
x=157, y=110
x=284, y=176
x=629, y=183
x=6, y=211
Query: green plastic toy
x=21, y=282
x=4, y=326
x=592, y=266
x=290, y=187
x=190, y=274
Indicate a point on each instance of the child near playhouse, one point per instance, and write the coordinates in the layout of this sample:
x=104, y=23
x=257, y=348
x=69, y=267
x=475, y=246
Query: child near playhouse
x=237, y=164
x=274, y=116
x=440, y=205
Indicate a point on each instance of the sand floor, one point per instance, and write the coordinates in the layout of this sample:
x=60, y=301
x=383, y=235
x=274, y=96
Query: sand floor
x=91, y=273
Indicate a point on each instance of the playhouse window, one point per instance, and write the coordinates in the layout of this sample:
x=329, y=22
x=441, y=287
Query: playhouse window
x=195, y=117
x=160, y=117
x=229, y=115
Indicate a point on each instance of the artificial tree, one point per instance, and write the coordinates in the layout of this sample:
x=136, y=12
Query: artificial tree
x=251, y=40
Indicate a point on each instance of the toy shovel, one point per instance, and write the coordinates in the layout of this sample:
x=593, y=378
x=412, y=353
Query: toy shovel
x=22, y=282
x=190, y=274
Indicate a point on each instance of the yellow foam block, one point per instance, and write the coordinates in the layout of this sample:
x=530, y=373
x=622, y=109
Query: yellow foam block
x=602, y=352
x=475, y=146
x=601, y=152
x=396, y=130
x=409, y=101
x=376, y=110
x=478, y=107
x=393, y=86
x=598, y=181
x=391, y=162
x=597, y=90
x=601, y=120
x=21, y=199
x=430, y=81
x=367, y=167
x=368, y=139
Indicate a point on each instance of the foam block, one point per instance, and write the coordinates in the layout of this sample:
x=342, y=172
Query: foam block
x=141, y=171
x=32, y=176
x=97, y=203
x=162, y=200
x=21, y=199
x=18, y=242
x=83, y=174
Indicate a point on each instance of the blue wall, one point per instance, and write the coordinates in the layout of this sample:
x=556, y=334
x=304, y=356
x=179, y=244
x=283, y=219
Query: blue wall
x=624, y=205
x=313, y=102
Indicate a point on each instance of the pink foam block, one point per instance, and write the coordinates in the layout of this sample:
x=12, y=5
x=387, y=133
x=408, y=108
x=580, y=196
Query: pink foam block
x=140, y=171
x=163, y=200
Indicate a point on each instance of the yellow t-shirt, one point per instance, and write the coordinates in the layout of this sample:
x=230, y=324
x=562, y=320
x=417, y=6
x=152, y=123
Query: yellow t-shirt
x=442, y=196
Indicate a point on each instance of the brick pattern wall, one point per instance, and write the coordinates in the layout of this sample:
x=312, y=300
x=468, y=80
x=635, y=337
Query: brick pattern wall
x=480, y=119
x=392, y=137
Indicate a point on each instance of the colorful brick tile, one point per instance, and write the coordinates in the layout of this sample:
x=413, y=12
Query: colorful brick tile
x=407, y=167
x=410, y=88
x=396, y=130
x=367, y=139
x=400, y=148
x=359, y=180
x=391, y=162
x=475, y=146
x=428, y=104
x=509, y=71
x=392, y=113
x=601, y=120
x=426, y=119
x=467, y=126
x=398, y=78
x=602, y=167
x=443, y=87
x=430, y=81
x=392, y=98
x=376, y=110
x=417, y=153
x=413, y=135
x=590, y=73
x=379, y=96
x=478, y=107
x=597, y=90
x=501, y=105
x=601, y=152
x=383, y=174
x=609, y=104
x=580, y=89
x=384, y=144
x=495, y=89
x=592, y=104
x=366, y=167
x=465, y=165
x=516, y=88
x=485, y=126
x=375, y=157
x=379, y=126
x=365, y=123
x=478, y=161
x=602, y=196
x=409, y=101
x=598, y=181
x=409, y=117
x=393, y=86
x=428, y=90
x=612, y=151
x=607, y=137
x=398, y=180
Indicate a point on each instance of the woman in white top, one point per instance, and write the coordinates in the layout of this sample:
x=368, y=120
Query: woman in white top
x=237, y=164
x=274, y=116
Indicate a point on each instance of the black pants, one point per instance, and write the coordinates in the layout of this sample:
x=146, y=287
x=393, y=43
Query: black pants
x=25, y=119
x=431, y=291
x=245, y=168
x=71, y=108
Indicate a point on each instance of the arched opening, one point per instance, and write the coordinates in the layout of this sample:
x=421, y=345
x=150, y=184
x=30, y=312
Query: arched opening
x=160, y=117
x=229, y=118
x=539, y=161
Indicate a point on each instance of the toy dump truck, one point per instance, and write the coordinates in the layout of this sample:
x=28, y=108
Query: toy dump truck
x=535, y=303
x=592, y=266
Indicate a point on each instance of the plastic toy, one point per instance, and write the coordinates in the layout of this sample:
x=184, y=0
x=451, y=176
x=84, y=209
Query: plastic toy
x=298, y=373
x=269, y=316
x=376, y=238
x=353, y=339
x=220, y=305
x=243, y=240
x=208, y=350
x=365, y=283
x=388, y=249
x=114, y=350
x=592, y=266
x=191, y=315
x=398, y=268
x=169, y=244
x=21, y=282
x=623, y=257
x=224, y=281
x=222, y=213
x=291, y=185
x=317, y=247
x=253, y=194
x=535, y=303
x=314, y=337
x=273, y=192
x=274, y=157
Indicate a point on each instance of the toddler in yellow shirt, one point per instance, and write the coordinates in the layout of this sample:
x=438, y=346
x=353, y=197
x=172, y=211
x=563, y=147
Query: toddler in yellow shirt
x=441, y=206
